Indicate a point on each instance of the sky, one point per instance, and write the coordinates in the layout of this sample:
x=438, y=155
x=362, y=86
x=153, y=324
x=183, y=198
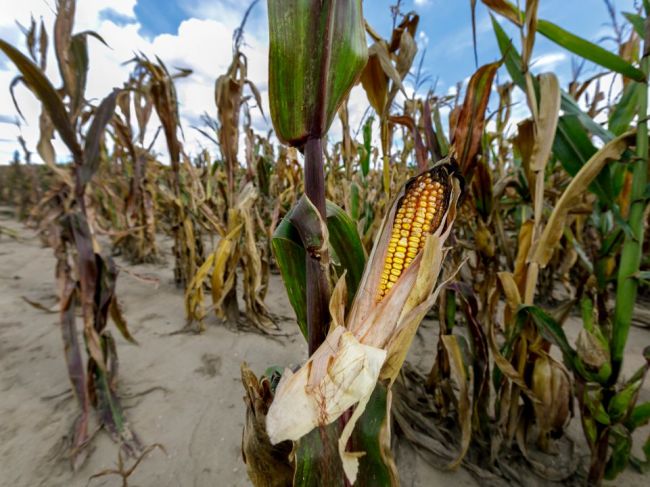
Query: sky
x=197, y=34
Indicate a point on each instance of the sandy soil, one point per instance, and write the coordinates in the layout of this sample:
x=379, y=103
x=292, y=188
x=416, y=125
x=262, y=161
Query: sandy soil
x=181, y=390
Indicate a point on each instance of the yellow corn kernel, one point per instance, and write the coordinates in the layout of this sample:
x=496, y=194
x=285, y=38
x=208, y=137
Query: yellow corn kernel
x=419, y=213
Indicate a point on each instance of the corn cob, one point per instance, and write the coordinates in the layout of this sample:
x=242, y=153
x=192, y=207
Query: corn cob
x=419, y=214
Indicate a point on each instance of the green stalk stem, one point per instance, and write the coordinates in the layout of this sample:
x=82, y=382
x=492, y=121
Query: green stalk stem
x=318, y=291
x=627, y=283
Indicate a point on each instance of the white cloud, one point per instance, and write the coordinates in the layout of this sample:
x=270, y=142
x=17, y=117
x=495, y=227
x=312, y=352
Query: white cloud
x=548, y=62
x=202, y=44
x=422, y=40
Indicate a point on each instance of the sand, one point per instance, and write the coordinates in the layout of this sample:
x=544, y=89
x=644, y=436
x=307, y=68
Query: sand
x=180, y=390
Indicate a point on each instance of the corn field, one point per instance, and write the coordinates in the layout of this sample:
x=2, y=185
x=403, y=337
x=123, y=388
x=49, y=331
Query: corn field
x=450, y=292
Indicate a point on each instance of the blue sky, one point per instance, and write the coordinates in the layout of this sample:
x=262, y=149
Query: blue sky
x=446, y=24
x=197, y=34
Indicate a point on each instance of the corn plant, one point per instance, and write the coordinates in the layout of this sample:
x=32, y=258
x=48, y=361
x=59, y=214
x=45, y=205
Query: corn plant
x=356, y=355
x=595, y=362
x=85, y=278
x=137, y=238
x=389, y=61
x=160, y=89
x=238, y=244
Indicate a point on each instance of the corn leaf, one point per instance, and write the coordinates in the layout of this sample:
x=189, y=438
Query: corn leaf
x=555, y=227
x=638, y=23
x=513, y=63
x=367, y=140
x=311, y=450
x=289, y=252
x=571, y=42
x=79, y=60
x=553, y=332
x=589, y=50
x=639, y=416
x=471, y=120
x=346, y=244
x=46, y=93
x=573, y=147
x=374, y=77
x=103, y=115
x=621, y=442
x=372, y=435
x=625, y=110
x=459, y=374
x=290, y=257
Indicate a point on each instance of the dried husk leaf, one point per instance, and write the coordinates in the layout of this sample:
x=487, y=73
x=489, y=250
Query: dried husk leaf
x=579, y=184
x=375, y=80
x=470, y=121
x=457, y=368
x=546, y=124
x=590, y=350
x=341, y=373
x=267, y=465
x=552, y=386
x=511, y=291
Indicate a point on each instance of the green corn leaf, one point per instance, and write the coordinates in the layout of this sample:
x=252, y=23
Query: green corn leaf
x=290, y=257
x=573, y=147
x=345, y=242
x=621, y=443
x=625, y=399
x=593, y=401
x=440, y=132
x=588, y=50
x=513, y=63
x=638, y=23
x=570, y=107
x=371, y=436
x=549, y=329
x=643, y=466
x=354, y=202
x=345, y=246
x=590, y=429
x=511, y=57
x=639, y=416
x=571, y=42
x=625, y=110
x=318, y=465
x=317, y=458
x=367, y=140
